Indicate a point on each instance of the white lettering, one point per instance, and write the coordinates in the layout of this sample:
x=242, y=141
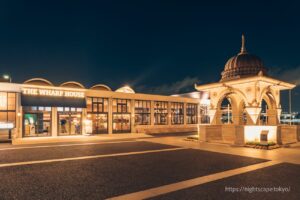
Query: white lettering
x=52, y=92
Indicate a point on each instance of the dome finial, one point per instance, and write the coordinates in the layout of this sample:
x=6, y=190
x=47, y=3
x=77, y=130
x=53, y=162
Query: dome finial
x=243, y=48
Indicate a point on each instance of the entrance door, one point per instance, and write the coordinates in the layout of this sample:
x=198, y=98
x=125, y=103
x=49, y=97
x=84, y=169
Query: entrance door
x=69, y=124
x=121, y=123
x=100, y=123
x=36, y=124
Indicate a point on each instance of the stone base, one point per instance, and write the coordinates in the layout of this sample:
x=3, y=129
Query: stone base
x=240, y=134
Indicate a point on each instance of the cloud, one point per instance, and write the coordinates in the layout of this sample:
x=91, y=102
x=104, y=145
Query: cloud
x=185, y=85
x=290, y=75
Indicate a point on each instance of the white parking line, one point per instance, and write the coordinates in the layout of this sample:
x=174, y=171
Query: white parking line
x=87, y=157
x=66, y=145
x=152, y=192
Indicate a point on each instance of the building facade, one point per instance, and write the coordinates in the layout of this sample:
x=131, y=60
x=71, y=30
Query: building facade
x=37, y=108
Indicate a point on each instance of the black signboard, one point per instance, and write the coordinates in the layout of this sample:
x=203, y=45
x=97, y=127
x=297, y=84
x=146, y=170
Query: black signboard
x=49, y=101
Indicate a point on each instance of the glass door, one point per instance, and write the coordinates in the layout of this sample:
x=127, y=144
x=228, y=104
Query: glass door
x=69, y=124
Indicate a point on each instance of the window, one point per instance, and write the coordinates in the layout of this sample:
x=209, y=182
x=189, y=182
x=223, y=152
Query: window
x=191, y=113
x=69, y=120
x=8, y=107
x=97, y=109
x=121, y=105
x=160, y=113
x=97, y=105
x=36, y=121
x=142, y=112
x=177, y=113
x=121, y=116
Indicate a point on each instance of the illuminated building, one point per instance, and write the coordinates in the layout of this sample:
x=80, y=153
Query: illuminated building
x=245, y=104
x=37, y=108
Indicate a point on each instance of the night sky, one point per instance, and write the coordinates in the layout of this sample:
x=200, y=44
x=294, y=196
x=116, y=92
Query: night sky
x=154, y=46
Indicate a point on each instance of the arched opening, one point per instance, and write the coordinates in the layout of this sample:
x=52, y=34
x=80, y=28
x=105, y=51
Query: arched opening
x=268, y=114
x=226, y=111
x=263, y=118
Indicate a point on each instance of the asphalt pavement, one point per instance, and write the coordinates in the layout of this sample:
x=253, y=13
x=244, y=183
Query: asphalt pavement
x=105, y=177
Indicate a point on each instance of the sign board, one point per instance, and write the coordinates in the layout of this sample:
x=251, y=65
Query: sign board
x=52, y=97
x=52, y=92
x=264, y=137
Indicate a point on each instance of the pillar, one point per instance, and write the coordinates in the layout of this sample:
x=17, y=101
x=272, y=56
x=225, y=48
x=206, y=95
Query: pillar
x=152, y=113
x=19, y=118
x=132, y=111
x=169, y=114
x=110, y=115
x=54, y=122
x=184, y=114
x=272, y=117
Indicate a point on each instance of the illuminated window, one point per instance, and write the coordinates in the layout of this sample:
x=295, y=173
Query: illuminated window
x=8, y=107
x=97, y=109
x=69, y=121
x=191, y=113
x=142, y=112
x=177, y=113
x=36, y=121
x=121, y=116
x=121, y=105
x=97, y=105
x=160, y=113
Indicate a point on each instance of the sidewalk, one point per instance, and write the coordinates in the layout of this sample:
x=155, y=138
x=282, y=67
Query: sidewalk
x=79, y=138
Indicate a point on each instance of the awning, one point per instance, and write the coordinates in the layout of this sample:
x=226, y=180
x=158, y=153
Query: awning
x=28, y=100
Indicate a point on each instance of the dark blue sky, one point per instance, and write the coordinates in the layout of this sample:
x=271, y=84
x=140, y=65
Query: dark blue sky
x=154, y=46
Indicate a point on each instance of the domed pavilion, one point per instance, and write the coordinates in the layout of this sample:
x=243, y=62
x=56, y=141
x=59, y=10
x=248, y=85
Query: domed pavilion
x=252, y=97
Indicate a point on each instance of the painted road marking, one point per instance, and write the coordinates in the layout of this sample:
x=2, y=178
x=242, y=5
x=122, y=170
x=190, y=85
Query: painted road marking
x=88, y=157
x=67, y=145
x=152, y=192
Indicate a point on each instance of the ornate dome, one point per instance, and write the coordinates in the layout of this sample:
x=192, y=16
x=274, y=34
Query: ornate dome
x=243, y=65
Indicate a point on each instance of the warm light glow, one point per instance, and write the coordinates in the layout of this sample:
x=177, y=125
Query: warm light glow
x=126, y=89
x=252, y=133
x=3, y=100
x=6, y=125
x=5, y=76
x=88, y=126
x=19, y=114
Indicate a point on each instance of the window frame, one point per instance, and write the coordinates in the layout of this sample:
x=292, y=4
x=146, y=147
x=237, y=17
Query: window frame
x=143, y=105
x=191, y=112
x=177, y=106
x=161, y=110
